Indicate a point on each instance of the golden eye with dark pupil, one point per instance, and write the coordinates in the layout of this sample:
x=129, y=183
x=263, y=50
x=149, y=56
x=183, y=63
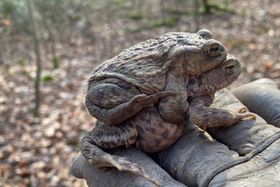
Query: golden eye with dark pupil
x=214, y=49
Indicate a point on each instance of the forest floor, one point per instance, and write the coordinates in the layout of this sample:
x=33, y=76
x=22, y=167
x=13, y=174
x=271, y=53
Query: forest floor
x=39, y=151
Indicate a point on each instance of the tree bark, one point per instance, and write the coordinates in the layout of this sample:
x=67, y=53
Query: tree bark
x=37, y=51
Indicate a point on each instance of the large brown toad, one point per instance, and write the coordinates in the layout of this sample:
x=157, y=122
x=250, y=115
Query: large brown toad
x=148, y=130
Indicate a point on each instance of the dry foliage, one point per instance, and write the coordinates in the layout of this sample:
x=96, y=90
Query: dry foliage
x=39, y=152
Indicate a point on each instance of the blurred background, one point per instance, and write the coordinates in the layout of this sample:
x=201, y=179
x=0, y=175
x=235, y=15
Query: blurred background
x=48, y=49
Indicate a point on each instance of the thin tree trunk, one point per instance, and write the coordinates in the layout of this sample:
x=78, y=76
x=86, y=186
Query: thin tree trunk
x=206, y=6
x=36, y=45
x=52, y=38
x=196, y=15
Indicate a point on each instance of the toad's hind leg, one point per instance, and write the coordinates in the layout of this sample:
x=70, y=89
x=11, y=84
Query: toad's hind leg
x=114, y=104
x=104, y=137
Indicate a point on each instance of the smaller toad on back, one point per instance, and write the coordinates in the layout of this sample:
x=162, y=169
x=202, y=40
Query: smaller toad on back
x=202, y=91
x=121, y=87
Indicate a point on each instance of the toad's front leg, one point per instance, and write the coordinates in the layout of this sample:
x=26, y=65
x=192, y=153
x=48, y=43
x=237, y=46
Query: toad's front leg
x=173, y=109
x=207, y=117
x=105, y=137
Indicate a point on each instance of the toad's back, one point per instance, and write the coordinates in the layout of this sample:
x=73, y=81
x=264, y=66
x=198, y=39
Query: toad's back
x=144, y=65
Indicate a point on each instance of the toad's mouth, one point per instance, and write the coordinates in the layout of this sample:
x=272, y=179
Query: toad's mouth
x=229, y=67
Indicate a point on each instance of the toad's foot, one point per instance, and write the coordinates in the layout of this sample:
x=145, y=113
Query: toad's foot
x=243, y=114
x=123, y=164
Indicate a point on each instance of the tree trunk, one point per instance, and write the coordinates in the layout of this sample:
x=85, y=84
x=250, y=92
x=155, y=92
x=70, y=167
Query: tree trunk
x=206, y=7
x=36, y=45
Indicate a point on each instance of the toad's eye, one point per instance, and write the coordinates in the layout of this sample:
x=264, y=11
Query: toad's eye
x=214, y=49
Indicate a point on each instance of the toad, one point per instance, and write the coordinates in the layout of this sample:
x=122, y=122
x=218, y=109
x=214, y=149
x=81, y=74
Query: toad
x=149, y=131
